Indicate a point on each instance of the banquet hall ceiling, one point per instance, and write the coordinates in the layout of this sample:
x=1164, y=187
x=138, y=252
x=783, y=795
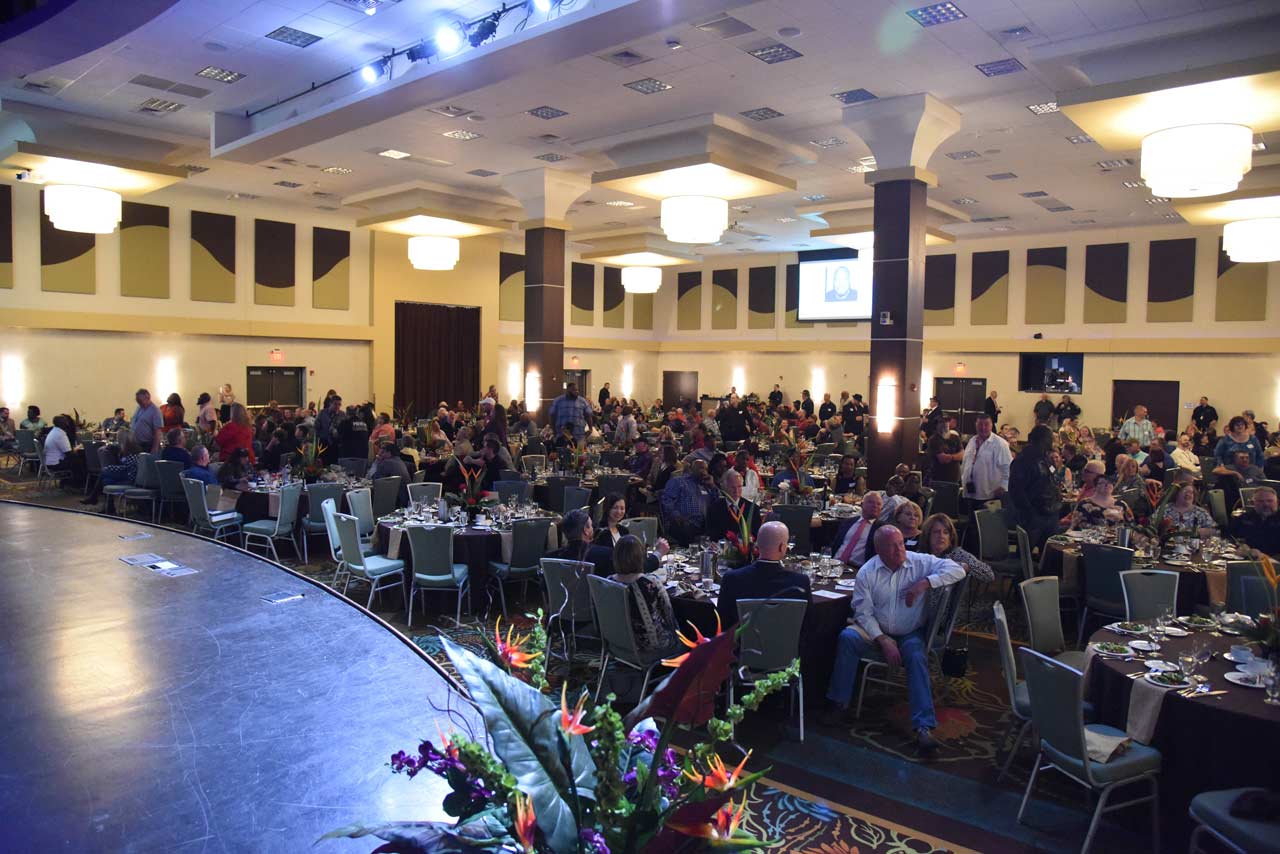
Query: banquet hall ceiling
x=1009, y=168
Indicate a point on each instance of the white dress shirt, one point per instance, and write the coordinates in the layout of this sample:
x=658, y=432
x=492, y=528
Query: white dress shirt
x=987, y=467
x=751, y=486
x=56, y=446
x=1186, y=459
x=879, y=603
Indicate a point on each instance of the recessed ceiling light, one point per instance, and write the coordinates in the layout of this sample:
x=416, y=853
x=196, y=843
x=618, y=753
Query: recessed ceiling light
x=761, y=114
x=853, y=96
x=1034, y=194
x=1122, y=163
x=774, y=53
x=222, y=75
x=393, y=154
x=1259, y=146
x=545, y=112
x=464, y=135
x=1157, y=200
x=1002, y=176
x=288, y=185
x=786, y=219
x=620, y=203
x=938, y=13
x=827, y=142
x=1134, y=185
x=1021, y=31
x=964, y=200
x=1060, y=209
x=475, y=117
x=816, y=197
x=1079, y=139
x=449, y=110
x=232, y=197
x=482, y=173
x=963, y=155
x=648, y=86
x=290, y=36
x=1000, y=67
x=159, y=105
x=336, y=170
x=1172, y=216
x=551, y=157
x=1042, y=109
x=724, y=26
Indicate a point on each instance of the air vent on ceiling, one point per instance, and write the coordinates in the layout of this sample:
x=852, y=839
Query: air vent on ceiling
x=46, y=86
x=1000, y=67
x=725, y=27
x=938, y=13
x=648, y=86
x=548, y=138
x=1015, y=33
x=1059, y=208
x=1135, y=185
x=853, y=96
x=827, y=142
x=327, y=207
x=287, y=161
x=772, y=52
x=1157, y=200
x=241, y=197
x=193, y=169
x=963, y=155
x=290, y=36
x=990, y=219
x=964, y=200
x=625, y=57
x=482, y=173
x=1082, y=221
x=1002, y=176
x=1079, y=139
x=548, y=113
x=616, y=203
x=551, y=157
x=321, y=194
x=761, y=114
x=464, y=135
x=168, y=86
x=336, y=170
x=159, y=105
x=815, y=197
x=288, y=185
x=1034, y=194
x=1173, y=216
x=450, y=110
x=1122, y=163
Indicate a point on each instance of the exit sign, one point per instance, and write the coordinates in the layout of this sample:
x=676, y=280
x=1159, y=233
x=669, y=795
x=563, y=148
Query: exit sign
x=276, y=355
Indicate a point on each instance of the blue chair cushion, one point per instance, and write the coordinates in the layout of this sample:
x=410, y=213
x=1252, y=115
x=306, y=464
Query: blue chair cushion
x=117, y=488
x=142, y=494
x=506, y=571
x=1213, y=810
x=449, y=582
x=313, y=527
x=376, y=565
x=1134, y=762
x=1021, y=700
x=265, y=527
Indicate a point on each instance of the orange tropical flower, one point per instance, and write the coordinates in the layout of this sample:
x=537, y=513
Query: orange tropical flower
x=447, y=747
x=722, y=830
x=718, y=778
x=525, y=821
x=571, y=723
x=511, y=651
x=698, y=640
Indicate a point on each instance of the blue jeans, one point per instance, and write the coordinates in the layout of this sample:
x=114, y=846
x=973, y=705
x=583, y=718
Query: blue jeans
x=849, y=651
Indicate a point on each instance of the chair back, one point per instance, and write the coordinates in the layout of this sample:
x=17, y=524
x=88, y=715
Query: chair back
x=147, y=477
x=432, y=550
x=555, y=492
x=538, y=448
x=568, y=595
x=508, y=474
x=993, y=535
x=1102, y=567
x=317, y=494
x=425, y=493
x=528, y=542
x=946, y=596
x=194, y=490
x=1056, y=708
x=26, y=441
x=349, y=539
x=1256, y=596
x=1044, y=618
x=286, y=460
x=612, y=603
x=169, y=475
x=771, y=640
x=1207, y=477
x=948, y=614
x=1246, y=496
x=614, y=483
x=1024, y=552
x=613, y=459
x=354, y=466
x=946, y=497
x=1148, y=593
x=360, y=502
x=386, y=490
x=797, y=518
x=825, y=449
x=1238, y=573
x=108, y=455
x=418, y=476
x=514, y=490
x=92, y=461
x=329, y=509
x=1218, y=507
x=1005, y=643
x=531, y=462
x=290, y=496
x=1169, y=474
x=575, y=497
x=644, y=527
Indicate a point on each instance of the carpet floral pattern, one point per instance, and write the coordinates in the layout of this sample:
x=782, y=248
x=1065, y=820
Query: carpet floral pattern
x=810, y=827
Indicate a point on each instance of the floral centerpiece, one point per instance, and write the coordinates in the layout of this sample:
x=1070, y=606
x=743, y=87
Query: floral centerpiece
x=579, y=779
x=740, y=543
x=472, y=495
x=1265, y=632
x=309, y=464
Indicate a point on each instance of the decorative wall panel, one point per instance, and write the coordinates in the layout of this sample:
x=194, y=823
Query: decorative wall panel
x=990, y=289
x=689, y=300
x=1171, y=280
x=940, y=290
x=144, y=251
x=642, y=311
x=1242, y=289
x=330, y=269
x=274, y=274
x=582, y=294
x=1046, y=285
x=1106, y=283
x=791, y=299
x=66, y=259
x=724, y=299
x=6, y=236
x=511, y=286
x=614, y=298
x=762, y=289
x=213, y=257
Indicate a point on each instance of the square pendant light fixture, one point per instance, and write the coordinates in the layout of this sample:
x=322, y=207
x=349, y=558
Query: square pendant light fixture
x=774, y=53
x=393, y=154
x=222, y=75
x=464, y=135
x=290, y=36
x=761, y=114
x=1041, y=109
x=648, y=86
x=548, y=113
x=938, y=13
x=854, y=96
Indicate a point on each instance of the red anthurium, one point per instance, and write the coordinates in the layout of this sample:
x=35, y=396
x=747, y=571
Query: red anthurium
x=571, y=723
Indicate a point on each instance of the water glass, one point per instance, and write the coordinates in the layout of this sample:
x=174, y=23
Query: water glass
x=1188, y=662
x=1271, y=681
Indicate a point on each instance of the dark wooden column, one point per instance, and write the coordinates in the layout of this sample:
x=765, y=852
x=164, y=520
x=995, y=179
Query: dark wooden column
x=544, y=312
x=896, y=346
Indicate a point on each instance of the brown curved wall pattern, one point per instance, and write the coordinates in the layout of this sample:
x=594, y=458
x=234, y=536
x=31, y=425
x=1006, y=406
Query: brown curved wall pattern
x=273, y=262
x=66, y=259
x=1106, y=283
x=213, y=257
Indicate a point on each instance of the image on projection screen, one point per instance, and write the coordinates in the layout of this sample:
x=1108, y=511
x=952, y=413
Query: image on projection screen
x=835, y=290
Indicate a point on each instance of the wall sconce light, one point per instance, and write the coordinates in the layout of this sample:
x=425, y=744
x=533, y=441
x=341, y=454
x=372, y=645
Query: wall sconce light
x=886, y=405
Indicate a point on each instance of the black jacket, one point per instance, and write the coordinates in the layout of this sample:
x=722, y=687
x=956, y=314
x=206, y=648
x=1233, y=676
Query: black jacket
x=1043, y=410
x=719, y=522
x=1067, y=410
x=764, y=579
x=1261, y=534
x=1032, y=491
x=989, y=406
x=1204, y=415
x=826, y=410
x=600, y=557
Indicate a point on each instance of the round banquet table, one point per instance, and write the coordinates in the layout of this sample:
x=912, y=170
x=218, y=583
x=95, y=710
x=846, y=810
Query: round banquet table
x=260, y=504
x=826, y=617
x=1194, y=585
x=473, y=546
x=1222, y=742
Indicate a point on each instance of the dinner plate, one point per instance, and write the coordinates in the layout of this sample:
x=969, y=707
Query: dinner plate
x=1074, y=535
x=1175, y=632
x=1178, y=561
x=1185, y=683
x=1144, y=646
x=1156, y=666
x=1127, y=650
x=1242, y=679
x=1115, y=627
x=1194, y=624
x=1231, y=656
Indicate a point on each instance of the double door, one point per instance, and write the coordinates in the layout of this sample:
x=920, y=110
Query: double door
x=961, y=398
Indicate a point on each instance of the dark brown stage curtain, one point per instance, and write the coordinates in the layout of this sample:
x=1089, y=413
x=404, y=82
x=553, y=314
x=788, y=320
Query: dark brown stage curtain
x=437, y=356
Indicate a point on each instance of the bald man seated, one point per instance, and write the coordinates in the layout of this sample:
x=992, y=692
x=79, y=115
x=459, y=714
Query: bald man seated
x=767, y=578
x=890, y=616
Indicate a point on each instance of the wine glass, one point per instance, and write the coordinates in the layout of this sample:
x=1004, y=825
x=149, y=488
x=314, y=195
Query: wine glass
x=1188, y=662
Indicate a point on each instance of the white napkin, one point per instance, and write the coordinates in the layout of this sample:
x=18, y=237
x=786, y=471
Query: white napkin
x=1102, y=748
x=1144, y=709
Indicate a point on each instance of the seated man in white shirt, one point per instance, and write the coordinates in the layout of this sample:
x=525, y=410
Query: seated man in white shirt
x=1184, y=457
x=890, y=615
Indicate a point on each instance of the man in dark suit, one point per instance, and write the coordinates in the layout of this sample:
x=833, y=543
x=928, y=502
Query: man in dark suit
x=720, y=520
x=764, y=579
x=992, y=409
x=578, y=533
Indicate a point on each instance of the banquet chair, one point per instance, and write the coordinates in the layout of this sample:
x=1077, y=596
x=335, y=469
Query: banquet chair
x=555, y=492
x=426, y=493
x=1019, y=701
x=1207, y=477
x=385, y=495
x=644, y=527
x=575, y=497
x=613, y=459
x=768, y=642
x=203, y=519
x=532, y=462
x=418, y=476
x=874, y=660
x=44, y=473
x=613, y=483
x=509, y=474
x=146, y=486
x=1103, y=594
x=824, y=450
x=92, y=465
x=536, y=447
x=528, y=545
x=946, y=498
x=169, y=476
x=329, y=509
x=1212, y=814
x=1246, y=496
x=1217, y=501
x=354, y=466
x=1054, y=689
x=519, y=490
x=433, y=566
x=993, y=546
x=568, y=599
x=1044, y=620
x=612, y=603
x=1238, y=573
x=1148, y=593
x=798, y=518
x=375, y=569
x=360, y=503
x=1256, y=596
x=28, y=453
x=279, y=528
x=314, y=522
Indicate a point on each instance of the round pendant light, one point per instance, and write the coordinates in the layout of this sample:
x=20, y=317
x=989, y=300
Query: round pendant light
x=1252, y=240
x=694, y=219
x=433, y=253
x=1196, y=160
x=641, y=280
x=91, y=210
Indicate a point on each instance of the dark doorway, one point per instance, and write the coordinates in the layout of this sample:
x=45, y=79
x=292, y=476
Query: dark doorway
x=1160, y=397
x=580, y=378
x=437, y=356
x=286, y=386
x=961, y=398
x=679, y=388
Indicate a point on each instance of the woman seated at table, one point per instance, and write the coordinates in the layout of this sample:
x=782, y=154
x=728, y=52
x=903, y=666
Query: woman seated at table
x=383, y=431
x=235, y=472
x=611, y=527
x=847, y=480
x=1068, y=432
x=652, y=619
x=663, y=470
x=938, y=537
x=122, y=473
x=1186, y=516
x=906, y=518
x=1089, y=475
x=1127, y=474
x=1101, y=510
